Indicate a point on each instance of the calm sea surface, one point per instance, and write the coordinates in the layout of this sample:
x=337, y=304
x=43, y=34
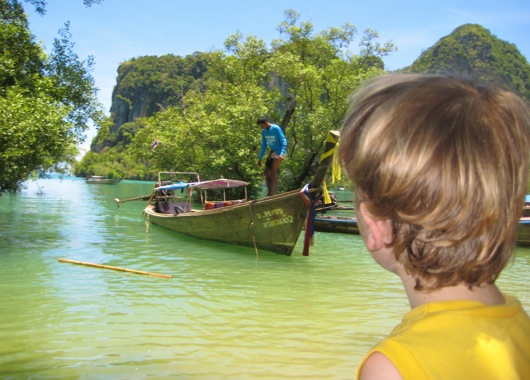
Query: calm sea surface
x=225, y=314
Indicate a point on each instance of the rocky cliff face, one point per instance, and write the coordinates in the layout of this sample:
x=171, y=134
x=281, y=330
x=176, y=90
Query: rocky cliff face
x=124, y=109
x=148, y=84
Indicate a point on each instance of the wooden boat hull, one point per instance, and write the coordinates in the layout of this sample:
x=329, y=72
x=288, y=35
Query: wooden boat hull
x=348, y=225
x=102, y=181
x=523, y=232
x=272, y=223
x=345, y=225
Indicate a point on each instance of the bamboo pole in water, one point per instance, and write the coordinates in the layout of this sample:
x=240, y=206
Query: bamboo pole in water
x=113, y=268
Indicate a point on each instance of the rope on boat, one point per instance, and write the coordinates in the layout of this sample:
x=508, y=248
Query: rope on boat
x=251, y=227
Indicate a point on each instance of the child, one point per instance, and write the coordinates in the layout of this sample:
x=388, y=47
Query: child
x=439, y=166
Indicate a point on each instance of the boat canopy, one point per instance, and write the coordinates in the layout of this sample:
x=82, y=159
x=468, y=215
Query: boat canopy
x=221, y=183
x=175, y=186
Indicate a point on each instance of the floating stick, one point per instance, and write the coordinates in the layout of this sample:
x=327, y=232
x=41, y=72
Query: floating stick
x=114, y=268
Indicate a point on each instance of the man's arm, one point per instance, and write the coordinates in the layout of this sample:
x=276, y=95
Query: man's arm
x=263, y=147
x=283, y=142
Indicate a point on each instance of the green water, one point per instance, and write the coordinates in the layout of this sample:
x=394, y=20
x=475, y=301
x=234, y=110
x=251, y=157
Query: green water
x=225, y=314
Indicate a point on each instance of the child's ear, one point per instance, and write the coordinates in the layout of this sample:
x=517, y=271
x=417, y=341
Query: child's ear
x=378, y=231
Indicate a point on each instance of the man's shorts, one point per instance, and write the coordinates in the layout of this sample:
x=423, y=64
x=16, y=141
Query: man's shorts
x=272, y=156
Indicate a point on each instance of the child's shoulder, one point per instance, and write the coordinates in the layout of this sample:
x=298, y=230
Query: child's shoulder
x=460, y=316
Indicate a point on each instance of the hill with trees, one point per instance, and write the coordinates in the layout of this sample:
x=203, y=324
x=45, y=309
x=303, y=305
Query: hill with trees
x=302, y=81
x=203, y=108
x=149, y=84
x=472, y=49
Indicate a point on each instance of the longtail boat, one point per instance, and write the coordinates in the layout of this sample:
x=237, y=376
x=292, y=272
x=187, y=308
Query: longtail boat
x=273, y=223
x=523, y=232
x=340, y=224
x=348, y=225
x=101, y=180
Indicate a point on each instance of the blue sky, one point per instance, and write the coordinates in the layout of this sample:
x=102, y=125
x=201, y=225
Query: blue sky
x=117, y=30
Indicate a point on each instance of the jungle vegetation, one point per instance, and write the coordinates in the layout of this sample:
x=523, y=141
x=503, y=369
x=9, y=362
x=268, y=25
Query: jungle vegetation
x=208, y=122
x=46, y=101
x=202, y=108
x=207, y=103
x=471, y=49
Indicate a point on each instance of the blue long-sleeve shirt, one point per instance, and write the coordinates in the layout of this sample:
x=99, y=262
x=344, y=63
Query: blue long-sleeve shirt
x=275, y=139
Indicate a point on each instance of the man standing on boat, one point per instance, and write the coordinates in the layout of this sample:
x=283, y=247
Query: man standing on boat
x=271, y=136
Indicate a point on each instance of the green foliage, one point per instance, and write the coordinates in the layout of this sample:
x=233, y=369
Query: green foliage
x=21, y=59
x=302, y=83
x=33, y=135
x=97, y=164
x=318, y=75
x=73, y=84
x=45, y=102
x=473, y=50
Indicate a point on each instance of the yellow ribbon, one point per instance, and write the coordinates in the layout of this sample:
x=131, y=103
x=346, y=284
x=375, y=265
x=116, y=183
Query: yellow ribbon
x=335, y=168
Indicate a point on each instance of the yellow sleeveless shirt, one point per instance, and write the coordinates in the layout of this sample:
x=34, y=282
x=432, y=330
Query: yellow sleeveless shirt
x=460, y=340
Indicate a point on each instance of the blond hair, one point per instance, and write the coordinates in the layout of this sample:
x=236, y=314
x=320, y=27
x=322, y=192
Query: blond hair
x=446, y=160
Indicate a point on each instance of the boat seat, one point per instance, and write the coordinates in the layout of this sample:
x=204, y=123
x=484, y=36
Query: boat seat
x=208, y=205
